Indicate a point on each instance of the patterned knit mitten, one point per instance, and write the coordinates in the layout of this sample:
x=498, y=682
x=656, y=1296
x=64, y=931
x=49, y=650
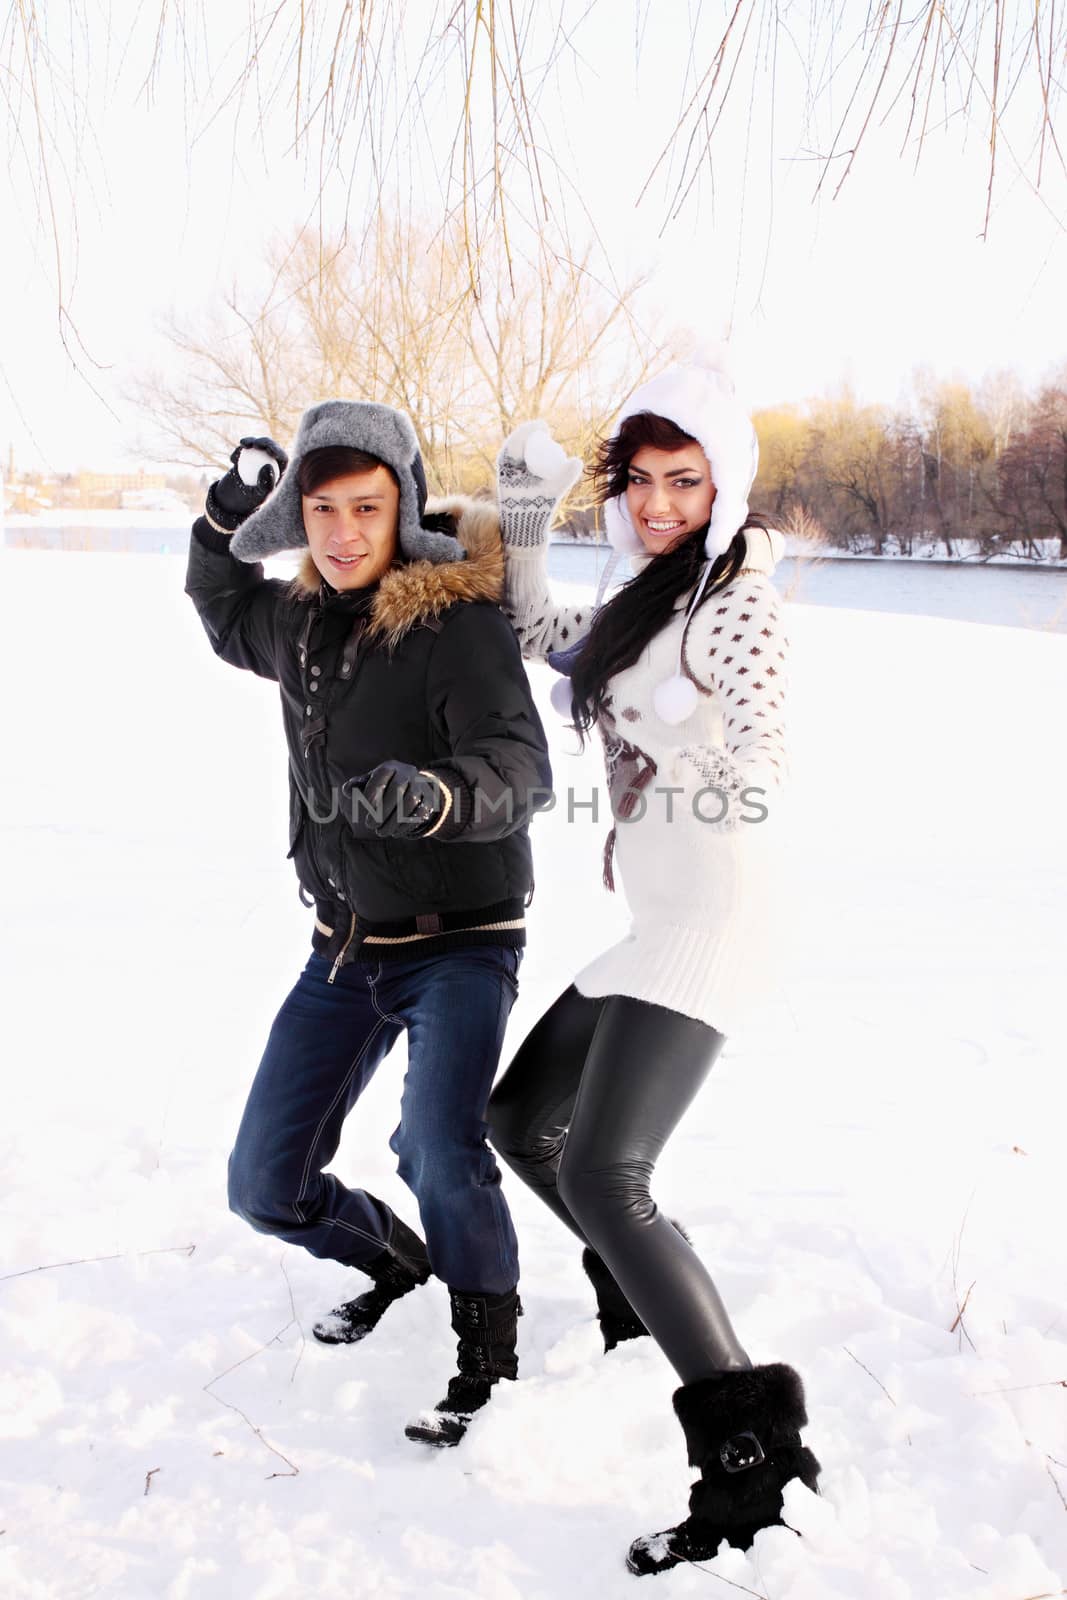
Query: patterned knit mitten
x=533, y=475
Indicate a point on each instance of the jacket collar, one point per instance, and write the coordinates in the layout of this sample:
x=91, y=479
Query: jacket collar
x=415, y=592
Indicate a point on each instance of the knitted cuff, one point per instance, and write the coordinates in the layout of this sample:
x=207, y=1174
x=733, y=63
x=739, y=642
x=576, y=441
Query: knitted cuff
x=212, y=537
x=526, y=582
x=458, y=808
x=223, y=521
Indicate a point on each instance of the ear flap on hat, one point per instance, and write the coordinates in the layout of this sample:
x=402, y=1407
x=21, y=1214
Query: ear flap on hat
x=277, y=525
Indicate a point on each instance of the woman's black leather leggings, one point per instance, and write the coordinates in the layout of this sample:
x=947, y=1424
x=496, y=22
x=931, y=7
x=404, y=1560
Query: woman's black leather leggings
x=582, y=1113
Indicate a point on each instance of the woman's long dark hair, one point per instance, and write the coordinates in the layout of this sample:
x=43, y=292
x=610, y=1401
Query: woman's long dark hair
x=632, y=618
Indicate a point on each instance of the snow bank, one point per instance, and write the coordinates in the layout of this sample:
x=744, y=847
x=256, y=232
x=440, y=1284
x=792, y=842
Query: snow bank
x=874, y=1174
x=965, y=551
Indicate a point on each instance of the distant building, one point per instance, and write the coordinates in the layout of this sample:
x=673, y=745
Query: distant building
x=107, y=488
x=153, y=499
x=27, y=497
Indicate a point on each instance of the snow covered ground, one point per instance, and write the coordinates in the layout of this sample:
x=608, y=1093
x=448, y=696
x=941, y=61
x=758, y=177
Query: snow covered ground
x=872, y=1173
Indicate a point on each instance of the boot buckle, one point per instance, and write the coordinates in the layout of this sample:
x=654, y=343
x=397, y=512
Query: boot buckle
x=740, y=1452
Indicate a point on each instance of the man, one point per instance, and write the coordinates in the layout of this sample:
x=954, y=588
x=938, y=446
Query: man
x=416, y=758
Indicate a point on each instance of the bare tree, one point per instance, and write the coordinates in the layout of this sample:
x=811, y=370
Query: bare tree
x=393, y=322
x=956, y=440
x=1032, y=474
x=863, y=474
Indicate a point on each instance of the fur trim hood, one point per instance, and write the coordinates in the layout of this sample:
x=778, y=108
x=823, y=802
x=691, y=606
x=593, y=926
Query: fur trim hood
x=414, y=592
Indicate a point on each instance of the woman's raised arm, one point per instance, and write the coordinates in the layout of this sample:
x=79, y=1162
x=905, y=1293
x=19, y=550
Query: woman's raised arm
x=533, y=475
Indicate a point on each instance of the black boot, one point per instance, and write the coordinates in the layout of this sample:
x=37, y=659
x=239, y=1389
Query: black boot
x=617, y=1317
x=487, y=1325
x=743, y=1433
x=396, y=1271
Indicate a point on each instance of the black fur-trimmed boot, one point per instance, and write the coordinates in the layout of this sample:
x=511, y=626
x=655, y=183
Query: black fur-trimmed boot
x=401, y=1267
x=487, y=1325
x=743, y=1434
x=617, y=1317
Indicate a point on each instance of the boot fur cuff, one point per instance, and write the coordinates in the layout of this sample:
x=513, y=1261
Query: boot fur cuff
x=763, y=1401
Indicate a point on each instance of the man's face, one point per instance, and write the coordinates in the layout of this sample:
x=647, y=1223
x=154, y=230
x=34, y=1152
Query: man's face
x=352, y=524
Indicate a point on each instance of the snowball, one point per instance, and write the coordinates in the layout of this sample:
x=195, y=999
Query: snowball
x=251, y=462
x=543, y=455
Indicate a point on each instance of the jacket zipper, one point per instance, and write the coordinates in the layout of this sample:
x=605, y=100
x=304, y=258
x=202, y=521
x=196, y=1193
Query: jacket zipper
x=344, y=949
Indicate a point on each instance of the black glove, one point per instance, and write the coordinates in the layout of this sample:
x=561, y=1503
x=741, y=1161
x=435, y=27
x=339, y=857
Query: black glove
x=394, y=801
x=230, y=500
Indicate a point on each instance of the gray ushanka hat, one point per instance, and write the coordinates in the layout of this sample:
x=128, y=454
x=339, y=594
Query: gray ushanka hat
x=361, y=425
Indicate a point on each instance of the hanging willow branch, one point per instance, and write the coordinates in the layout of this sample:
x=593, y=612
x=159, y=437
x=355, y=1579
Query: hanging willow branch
x=367, y=86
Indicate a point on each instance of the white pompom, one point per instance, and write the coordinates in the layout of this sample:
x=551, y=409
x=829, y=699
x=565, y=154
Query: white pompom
x=543, y=455
x=251, y=462
x=561, y=697
x=675, y=699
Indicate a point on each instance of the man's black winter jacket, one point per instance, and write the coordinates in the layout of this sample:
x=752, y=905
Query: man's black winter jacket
x=425, y=669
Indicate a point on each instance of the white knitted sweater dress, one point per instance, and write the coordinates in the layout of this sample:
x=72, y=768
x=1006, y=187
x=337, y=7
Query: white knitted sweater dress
x=699, y=890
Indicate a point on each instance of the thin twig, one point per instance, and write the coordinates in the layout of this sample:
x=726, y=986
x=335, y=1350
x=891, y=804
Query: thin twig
x=295, y=1318
x=759, y=1594
x=148, y=1479
x=1056, y=1482
x=294, y=1471
x=869, y=1373
x=957, y=1246
x=874, y=99
x=82, y=1261
x=961, y=1309
x=1053, y=1383
x=994, y=119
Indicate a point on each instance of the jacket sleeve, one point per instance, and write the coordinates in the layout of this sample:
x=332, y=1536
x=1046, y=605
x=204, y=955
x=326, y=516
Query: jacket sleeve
x=498, y=773
x=737, y=644
x=240, y=609
x=540, y=624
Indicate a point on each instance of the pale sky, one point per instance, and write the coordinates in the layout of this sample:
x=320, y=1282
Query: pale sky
x=866, y=288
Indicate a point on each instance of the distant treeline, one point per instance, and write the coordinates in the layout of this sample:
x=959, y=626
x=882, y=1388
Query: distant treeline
x=981, y=471
x=986, y=464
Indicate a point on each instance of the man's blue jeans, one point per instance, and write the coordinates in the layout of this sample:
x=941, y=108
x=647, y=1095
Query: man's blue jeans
x=323, y=1049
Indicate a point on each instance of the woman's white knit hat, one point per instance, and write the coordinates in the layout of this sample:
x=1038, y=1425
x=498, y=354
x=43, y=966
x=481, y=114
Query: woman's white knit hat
x=702, y=401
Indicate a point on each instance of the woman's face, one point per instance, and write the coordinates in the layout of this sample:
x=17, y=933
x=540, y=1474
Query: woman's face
x=668, y=494
x=351, y=524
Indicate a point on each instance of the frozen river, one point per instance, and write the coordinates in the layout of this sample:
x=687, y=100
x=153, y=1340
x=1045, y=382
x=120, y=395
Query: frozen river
x=1017, y=597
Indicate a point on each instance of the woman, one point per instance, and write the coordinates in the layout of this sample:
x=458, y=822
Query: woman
x=416, y=757
x=682, y=673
